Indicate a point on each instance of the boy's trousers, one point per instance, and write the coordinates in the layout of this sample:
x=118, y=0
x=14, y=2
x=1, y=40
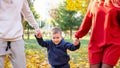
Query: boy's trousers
x=67, y=65
x=15, y=53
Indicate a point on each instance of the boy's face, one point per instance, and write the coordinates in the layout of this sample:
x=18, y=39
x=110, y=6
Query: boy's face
x=56, y=38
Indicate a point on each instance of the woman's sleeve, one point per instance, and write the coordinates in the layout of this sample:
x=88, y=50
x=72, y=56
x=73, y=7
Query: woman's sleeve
x=86, y=23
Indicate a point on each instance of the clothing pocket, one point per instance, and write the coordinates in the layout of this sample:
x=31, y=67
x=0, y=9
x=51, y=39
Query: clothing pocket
x=3, y=45
x=8, y=1
x=115, y=34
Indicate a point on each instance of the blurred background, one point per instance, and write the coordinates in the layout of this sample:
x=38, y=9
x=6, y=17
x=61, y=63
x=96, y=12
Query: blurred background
x=66, y=14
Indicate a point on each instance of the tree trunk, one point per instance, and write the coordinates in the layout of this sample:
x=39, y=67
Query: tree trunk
x=28, y=33
x=70, y=33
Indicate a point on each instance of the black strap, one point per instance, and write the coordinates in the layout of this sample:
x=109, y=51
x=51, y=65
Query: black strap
x=118, y=17
x=8, y=45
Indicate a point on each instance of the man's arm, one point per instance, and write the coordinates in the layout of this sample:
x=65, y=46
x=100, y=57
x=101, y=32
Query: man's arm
x=28, y=15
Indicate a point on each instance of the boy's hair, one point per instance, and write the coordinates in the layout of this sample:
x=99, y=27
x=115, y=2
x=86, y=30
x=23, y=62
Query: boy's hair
x=56, y=30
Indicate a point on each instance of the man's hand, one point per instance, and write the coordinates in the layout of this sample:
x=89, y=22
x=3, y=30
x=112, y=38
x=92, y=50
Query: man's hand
x=38, y=33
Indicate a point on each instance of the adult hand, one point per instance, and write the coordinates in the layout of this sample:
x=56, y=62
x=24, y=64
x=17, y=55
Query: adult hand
x=76, y=41
x=38, y=33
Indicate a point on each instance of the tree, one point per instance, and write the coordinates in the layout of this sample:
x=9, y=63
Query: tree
x=66, y=19
x=77, y=5
x=25, y=23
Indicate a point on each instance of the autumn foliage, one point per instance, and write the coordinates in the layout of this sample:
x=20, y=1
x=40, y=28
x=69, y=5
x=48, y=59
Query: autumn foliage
x=38, y=59
x=77, y=5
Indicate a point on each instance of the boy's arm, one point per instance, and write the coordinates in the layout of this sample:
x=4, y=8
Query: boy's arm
x=41, y=42
x=71, y=46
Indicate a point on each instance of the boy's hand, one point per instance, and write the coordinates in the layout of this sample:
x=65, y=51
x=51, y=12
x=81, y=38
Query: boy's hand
x=76, y=41
x=38, y=34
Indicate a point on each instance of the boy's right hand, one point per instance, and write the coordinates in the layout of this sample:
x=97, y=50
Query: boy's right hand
x=39, y=35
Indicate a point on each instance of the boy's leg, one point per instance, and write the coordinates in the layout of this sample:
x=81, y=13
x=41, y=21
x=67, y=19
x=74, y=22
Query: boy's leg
x=65, y=66
x=106, y=66
x=2, y=61
x=18, y=55
x=62, y=66
x=52, y=67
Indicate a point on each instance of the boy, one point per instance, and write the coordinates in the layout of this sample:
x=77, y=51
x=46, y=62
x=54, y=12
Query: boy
x=57, y=49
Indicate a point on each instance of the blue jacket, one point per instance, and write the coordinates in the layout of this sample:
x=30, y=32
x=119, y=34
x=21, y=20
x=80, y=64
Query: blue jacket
x=57, y=54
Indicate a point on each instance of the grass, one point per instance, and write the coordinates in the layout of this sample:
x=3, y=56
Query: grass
x=32, y=43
